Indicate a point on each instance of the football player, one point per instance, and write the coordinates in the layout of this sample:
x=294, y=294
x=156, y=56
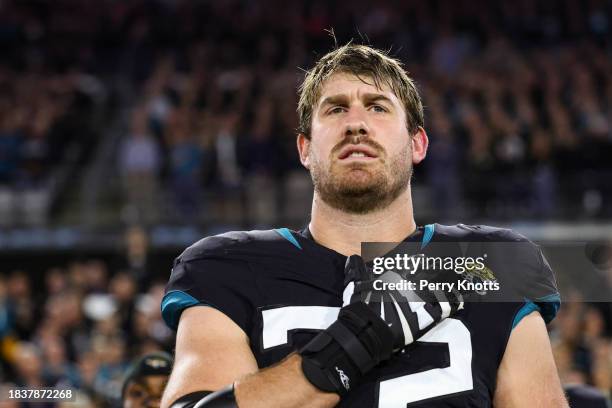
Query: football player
x=274, y=318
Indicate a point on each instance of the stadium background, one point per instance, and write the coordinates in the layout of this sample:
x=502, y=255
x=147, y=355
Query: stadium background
x=130, y=129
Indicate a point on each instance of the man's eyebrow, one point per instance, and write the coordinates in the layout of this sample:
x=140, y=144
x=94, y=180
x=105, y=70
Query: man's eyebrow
x=342, y=99
x=339, y=99
x=376, y=97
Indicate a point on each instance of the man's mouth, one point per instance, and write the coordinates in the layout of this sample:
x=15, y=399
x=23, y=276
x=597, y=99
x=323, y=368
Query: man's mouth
x=357, y=152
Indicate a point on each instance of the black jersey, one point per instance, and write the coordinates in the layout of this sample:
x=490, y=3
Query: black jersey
x=281, y=288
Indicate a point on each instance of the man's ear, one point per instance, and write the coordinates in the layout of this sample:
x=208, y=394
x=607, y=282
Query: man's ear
x=303, y=145
x=420, y=142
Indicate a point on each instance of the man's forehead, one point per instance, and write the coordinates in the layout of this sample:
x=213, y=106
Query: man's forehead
x=344, y=83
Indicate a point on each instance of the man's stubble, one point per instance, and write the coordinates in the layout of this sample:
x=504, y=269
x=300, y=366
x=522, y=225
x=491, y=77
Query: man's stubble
x=362, y=188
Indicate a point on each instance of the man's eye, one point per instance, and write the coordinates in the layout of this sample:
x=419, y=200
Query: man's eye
x=336, y=109
x=378, y=108
x=136, y=393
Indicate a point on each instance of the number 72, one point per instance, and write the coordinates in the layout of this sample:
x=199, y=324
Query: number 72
x=394, y=392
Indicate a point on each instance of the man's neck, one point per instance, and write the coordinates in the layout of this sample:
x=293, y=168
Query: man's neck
x=344, y=232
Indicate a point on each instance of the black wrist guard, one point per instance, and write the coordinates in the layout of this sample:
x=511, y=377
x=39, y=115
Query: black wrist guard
x=337, y=358
x=223, y=398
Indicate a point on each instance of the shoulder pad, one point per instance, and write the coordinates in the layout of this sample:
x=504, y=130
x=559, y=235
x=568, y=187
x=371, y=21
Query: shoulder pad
x=231, y=243
x=478, y=233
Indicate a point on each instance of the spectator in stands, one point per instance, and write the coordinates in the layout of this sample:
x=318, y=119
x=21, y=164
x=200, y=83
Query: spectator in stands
x=258, y=156
x=186, y=160
x=11, y=139
x=22, y=304
x=139, y=165
x=443, y=174
x=134, y=257
x=543, y=186
x=57, y=370
x=229, y=174
x=36, y=151
x=88, y=366
x=582, y=352
x=6, y=313
x=96, y=274
x=28, y=366
x=123, y=289
x=146, y=380
x=55, y=281
x=113, y=363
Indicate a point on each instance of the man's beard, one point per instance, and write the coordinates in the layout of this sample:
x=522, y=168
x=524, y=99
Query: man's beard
x=379, y=190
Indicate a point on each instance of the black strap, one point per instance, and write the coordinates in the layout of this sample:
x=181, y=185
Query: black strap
x=189, y=400
x=337, y=358
x=352, y=346
x=224, y=398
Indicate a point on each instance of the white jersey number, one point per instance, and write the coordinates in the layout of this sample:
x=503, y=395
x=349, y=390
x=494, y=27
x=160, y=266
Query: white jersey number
x=396, y=392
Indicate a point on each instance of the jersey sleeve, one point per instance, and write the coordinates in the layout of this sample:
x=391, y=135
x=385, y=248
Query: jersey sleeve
x=225, y=284
x=524, y=273
x=536, y=283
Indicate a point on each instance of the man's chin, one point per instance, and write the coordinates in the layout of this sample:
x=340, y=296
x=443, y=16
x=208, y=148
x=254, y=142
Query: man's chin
x=359, y=196
x=359, y=179
x=355, y=200
x=358, y=189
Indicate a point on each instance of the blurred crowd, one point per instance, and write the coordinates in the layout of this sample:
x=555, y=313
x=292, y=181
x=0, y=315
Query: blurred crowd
x=581, y=347
x=40, y=117
x=81, y=332
x=48, y=109
x=80, y=325
x=46, y=124
x=517, y=95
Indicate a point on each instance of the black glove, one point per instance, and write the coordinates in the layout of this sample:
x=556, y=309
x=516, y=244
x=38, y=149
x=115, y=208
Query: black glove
x=337, y=358
x=371, y=325
x=408, y=313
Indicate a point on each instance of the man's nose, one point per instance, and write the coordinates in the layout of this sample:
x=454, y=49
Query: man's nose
x=356, y=125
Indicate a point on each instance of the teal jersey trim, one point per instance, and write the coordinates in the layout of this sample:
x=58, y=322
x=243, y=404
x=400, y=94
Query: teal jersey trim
x=427, y=235
x=285, y=233
x=173, y=304
x=548, y=306
x=527, y=308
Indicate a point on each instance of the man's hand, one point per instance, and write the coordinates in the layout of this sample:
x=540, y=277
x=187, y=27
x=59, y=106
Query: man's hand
x=409, y=314
x=371, y=325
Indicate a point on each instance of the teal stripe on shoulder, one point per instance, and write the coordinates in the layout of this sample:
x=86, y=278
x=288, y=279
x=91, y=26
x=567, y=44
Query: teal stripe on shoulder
x=285, y=233
x=173, y=304
x=527, y=308
x=549, y=306
x=427, y=235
